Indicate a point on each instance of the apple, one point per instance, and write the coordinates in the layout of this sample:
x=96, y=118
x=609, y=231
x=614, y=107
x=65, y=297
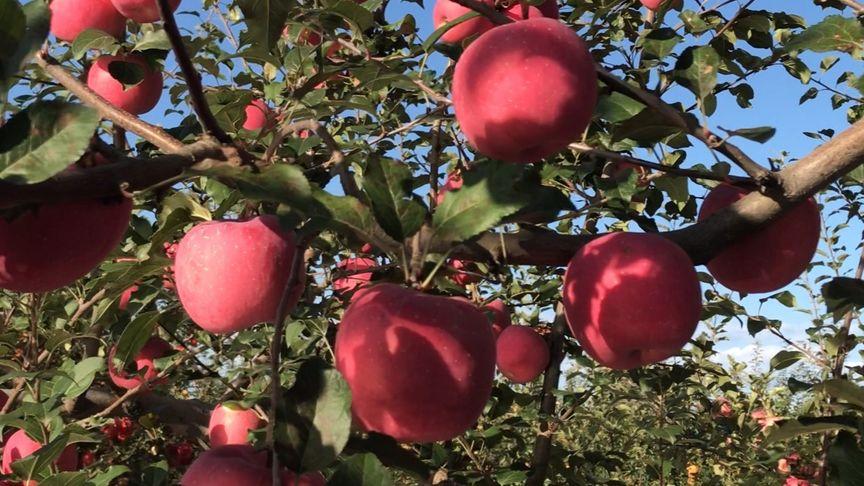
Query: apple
x=142, y=11
x=631, y=299
x=522, y=354
x=71, y=17
x=420, y=367
x=3, y=399
x=500, y=315
x=53, y=245
x=179, y=454
x=461, y=277
x=771, y=257
x=126, y=296
x=258, y=116
x=523, y=91
x=447, y=11
x=652, y=4
x=230, y=275
x=137, y=99
x=549, y=8
x=722, y=408
x=154, y=349
x=453, y=182
x=350, y=283
x=367, y=249
x=20, y=445
x=230, y=424
x=240, y=465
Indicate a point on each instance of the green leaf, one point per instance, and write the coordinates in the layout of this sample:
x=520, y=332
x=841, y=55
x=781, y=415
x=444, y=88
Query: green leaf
x=659, y=43
x=617, y=107
x=361, y=470
x=265, y=20
x=845, y=461
x=785, y=359
x=94, y=39
x=647, y=128
x=154, y=40
x=346, y=215
x=127, y=73
x=21, y=36
x=41, y=460
x=389, y=184
x=757, y=134
x=440, y=31
x=696, y=70
x=66, y=479
x=104, y=478
x=844, y=390
x=693, y=22
x=281, y=183
x=78, y=377
x=44, y=139
x=810, y=425
x=834, y=33
x=843, y=294
x=351, y=11
x=135, y=336
x=491, y=191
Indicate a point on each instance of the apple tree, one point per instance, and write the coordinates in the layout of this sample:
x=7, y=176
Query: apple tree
x=344, y=242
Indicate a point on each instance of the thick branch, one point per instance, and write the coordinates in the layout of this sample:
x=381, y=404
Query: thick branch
x=153, y=134
x=190, y=74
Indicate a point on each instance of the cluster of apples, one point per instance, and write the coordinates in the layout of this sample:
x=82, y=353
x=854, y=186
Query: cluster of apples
x=69, y=18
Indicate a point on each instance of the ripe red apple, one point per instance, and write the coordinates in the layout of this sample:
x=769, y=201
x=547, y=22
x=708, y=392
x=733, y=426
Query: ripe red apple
x=461, y=277
x=631, y=299
x=767, y=259
x=142, y=11
x=20, y=445
x=126, y=296
x=447, y=10
x=354, y=281
x=230, y=275
x=137, y=99
x=453, y=182
x=420, y=367
x=500, y=315
x=71, y=17
x=258, y=116
x=549, y=8
x=230, y=424
x=367, y=249
x=525, y=90
x=240, y=465
x=652, y=4
x=53, y=245
x=154, y=349
x=522, y=354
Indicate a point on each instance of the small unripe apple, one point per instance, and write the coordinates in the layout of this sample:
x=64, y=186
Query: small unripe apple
x=631, y=299
x=350, y=283
x=522, y=354
x=53, y=245
x=20, y=445
x=230, y=424
x=500, y=315
x=230, y=275
x=258, y=116
x=240, y=465
x=142, y=11
x=71, y=17
x=154, y=349
x=447, y=11
x=652, y=4
x=769, y=258
x=420, y=367
x=137, y=99
x=523, y=91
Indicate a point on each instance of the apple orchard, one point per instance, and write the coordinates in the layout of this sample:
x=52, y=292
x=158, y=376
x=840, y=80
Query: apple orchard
x=281, y=242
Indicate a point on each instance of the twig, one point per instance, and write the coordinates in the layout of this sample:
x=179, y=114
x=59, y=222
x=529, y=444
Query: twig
x=487, y=10
x=191, y=75
x=153, y=134
x=854, y=5
x=276, y=351
x=441, y=100
x=733, y=19
x=543, y=442
x=434, y=161
x=338, y=162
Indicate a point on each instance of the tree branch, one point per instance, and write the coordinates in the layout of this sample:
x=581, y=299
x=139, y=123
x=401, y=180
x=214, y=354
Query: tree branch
x=854, y=5
x=153, y=134
x=191, y=75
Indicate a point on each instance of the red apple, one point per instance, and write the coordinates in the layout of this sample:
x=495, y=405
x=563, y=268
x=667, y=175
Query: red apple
x=631, y=299
x=314, y=478
x=240, y=465
x=515, y=12
x=230, y=275
x=652, y=4
x=20, y=445
x=142, y=11
x=500, y=315
x=354, y=281
x=367, y=249
x=453, y=182
x=522, y=354
x=154, y=349
x=523, y=91
x=258, y=116
x=769, y=258
x=420, y=367
x=461, y=277
x=137, y=99
x=71, y=17
x=230, y=424
x=126, y=296
x=55, y=244
x=447, y=11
